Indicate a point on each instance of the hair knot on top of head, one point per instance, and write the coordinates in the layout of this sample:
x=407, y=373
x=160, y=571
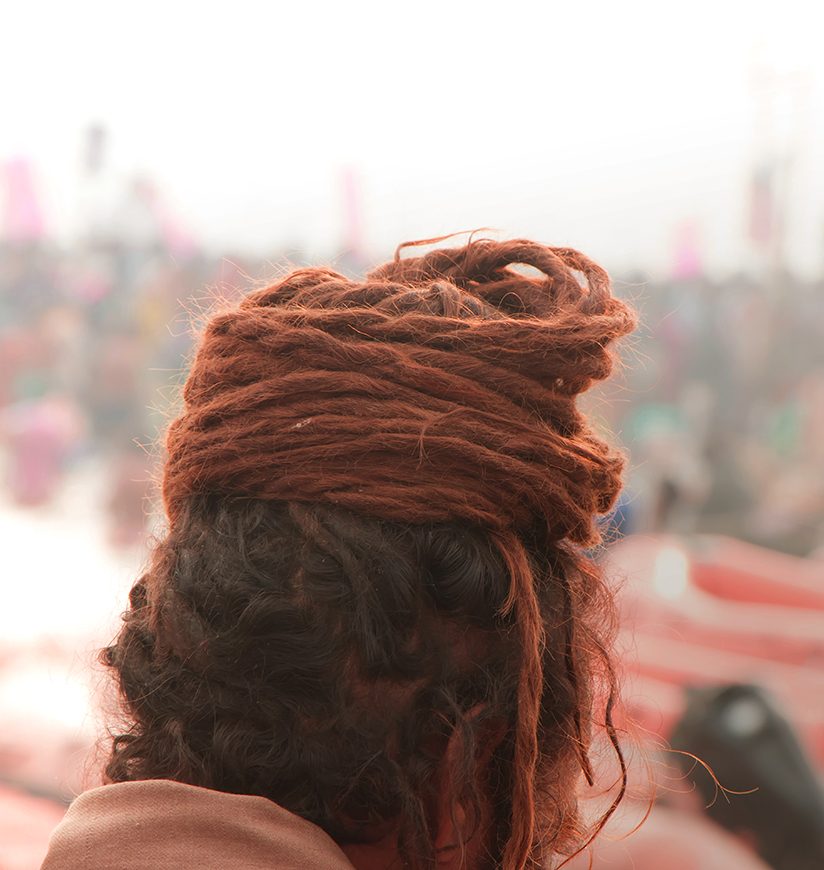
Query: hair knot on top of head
x=441, y=387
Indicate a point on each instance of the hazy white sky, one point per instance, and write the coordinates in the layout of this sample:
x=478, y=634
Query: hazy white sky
x=600, y=125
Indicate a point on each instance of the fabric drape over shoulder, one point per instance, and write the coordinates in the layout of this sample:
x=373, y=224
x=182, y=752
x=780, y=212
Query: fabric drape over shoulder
x=155, y=824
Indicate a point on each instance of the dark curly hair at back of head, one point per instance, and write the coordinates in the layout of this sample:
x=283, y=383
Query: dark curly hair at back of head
x=379, y=496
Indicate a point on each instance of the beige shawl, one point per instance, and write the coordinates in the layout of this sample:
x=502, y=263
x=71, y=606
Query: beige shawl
x=150, y=825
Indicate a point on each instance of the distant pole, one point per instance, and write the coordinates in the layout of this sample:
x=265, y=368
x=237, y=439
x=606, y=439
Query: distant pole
x=764, y=223
x=94, y=149
x=352, y=215
x=779, y=96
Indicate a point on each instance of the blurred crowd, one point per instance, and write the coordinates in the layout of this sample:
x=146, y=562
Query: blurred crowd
x=89, y=338
x=722, y=409
x=721, y=403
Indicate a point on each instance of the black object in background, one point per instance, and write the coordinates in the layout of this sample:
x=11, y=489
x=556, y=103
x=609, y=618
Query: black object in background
x=741, y=734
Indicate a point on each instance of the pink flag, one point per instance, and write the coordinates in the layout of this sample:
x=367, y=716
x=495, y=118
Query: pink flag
x=22, y=215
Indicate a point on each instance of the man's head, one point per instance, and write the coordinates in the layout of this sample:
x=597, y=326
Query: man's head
x=373, y=605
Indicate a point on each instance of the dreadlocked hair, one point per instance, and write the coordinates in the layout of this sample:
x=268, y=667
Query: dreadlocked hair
x=380, y=496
